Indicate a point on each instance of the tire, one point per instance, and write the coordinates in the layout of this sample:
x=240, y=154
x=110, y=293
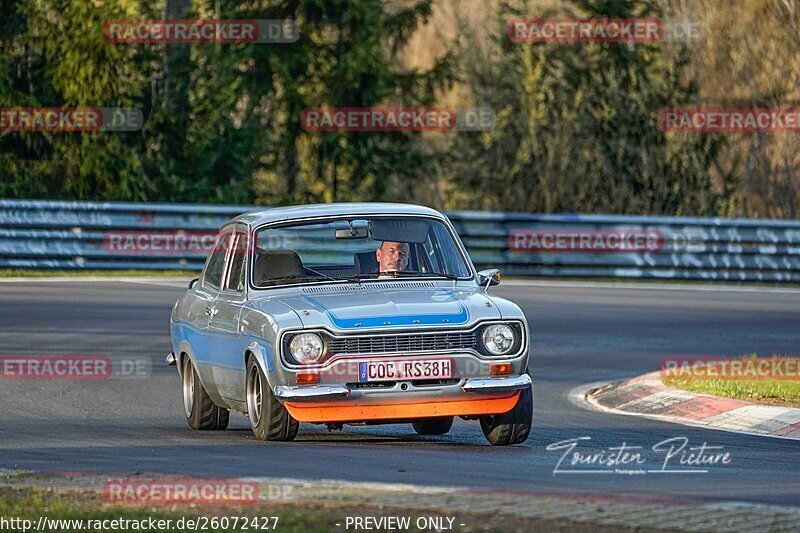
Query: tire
x=200, y=410
x=433, y=426
x=512, y=427
x=269, y=419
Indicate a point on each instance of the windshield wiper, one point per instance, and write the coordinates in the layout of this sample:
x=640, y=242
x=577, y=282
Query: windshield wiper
x=358, y=277
x=425, y=274
x=294, y=277
x=398, y=274
x=320, y=274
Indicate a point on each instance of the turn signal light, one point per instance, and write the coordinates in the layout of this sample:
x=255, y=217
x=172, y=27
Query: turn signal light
x=500, y=369
x=307, y=378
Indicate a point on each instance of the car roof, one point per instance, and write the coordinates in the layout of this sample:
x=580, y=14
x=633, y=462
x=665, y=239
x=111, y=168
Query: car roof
x=278, y=214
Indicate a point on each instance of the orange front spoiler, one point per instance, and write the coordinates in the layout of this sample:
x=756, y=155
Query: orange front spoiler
x=319, y=412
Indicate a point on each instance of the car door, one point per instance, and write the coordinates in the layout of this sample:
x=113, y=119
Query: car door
x=229, y=347
x=208, y=290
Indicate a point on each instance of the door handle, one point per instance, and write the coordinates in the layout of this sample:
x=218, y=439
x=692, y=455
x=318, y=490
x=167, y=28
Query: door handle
x=210, y=311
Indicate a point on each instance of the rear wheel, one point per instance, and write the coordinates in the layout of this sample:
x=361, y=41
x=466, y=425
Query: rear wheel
x=268, y=417
x=512, y=427
x=200, y=410
x=433, y=426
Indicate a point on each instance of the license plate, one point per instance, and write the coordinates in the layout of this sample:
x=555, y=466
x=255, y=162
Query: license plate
x=399, y=370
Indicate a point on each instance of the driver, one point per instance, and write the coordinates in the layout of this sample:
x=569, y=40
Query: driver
x=392, y=257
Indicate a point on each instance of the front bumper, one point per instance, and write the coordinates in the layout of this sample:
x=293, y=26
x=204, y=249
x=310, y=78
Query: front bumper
x=472, y=397
x=310, y=393
x=491, y=385
x=327, y=392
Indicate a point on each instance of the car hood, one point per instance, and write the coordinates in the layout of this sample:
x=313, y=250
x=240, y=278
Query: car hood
x=389, y=305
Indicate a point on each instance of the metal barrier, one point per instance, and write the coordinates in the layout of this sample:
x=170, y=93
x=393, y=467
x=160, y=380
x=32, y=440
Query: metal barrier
x=91, y=235
x=633, y=246
x=67, y=235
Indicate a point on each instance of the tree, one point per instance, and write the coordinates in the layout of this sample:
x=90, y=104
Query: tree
x=222, y=120
x=578, y=126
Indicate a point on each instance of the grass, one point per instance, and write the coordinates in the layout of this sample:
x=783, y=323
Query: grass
x=17, y=474
x=34, y=273
x=85, y=504
x=783, y=392
x=30, y=504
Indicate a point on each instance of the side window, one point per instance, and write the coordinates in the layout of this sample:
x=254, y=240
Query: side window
x=447, y=251
x=216, y=262
x=235, y=281
x=433, y=255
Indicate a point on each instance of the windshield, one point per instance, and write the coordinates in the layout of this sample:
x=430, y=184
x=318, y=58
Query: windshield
x=356, y=249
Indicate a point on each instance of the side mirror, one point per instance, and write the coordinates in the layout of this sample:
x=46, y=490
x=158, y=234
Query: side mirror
x=191, y=283
x=489, y=277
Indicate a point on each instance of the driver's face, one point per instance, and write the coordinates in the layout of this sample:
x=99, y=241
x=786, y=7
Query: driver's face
x=392, y=256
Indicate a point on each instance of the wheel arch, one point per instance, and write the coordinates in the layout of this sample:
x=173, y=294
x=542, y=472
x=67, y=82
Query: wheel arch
x=187, y=352
x=184, y=352
x=263, y=359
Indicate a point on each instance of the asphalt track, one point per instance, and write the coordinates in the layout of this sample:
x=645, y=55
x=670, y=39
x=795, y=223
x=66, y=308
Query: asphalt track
x=581, y=335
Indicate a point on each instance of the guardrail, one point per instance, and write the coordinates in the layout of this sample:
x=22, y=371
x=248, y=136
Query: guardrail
x=115, y=235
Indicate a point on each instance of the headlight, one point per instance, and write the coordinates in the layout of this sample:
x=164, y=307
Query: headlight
x=306, y=348
x=498, y=339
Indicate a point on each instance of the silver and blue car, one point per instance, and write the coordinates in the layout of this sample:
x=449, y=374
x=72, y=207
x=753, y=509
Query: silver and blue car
x=349, y=314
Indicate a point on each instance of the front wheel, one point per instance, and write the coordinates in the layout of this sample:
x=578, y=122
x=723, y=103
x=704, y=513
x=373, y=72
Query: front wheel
x=512, y=427
x=268, y=417
x=200, y=410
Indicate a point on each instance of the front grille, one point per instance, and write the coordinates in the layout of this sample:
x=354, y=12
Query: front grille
x=415, y=342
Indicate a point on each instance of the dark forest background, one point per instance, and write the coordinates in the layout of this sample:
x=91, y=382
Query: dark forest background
x=577, y=124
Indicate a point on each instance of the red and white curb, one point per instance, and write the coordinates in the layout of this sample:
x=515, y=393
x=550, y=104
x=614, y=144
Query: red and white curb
x=647, y=396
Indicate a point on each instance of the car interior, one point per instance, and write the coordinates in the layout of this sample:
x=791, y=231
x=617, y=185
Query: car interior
x=275, y=266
